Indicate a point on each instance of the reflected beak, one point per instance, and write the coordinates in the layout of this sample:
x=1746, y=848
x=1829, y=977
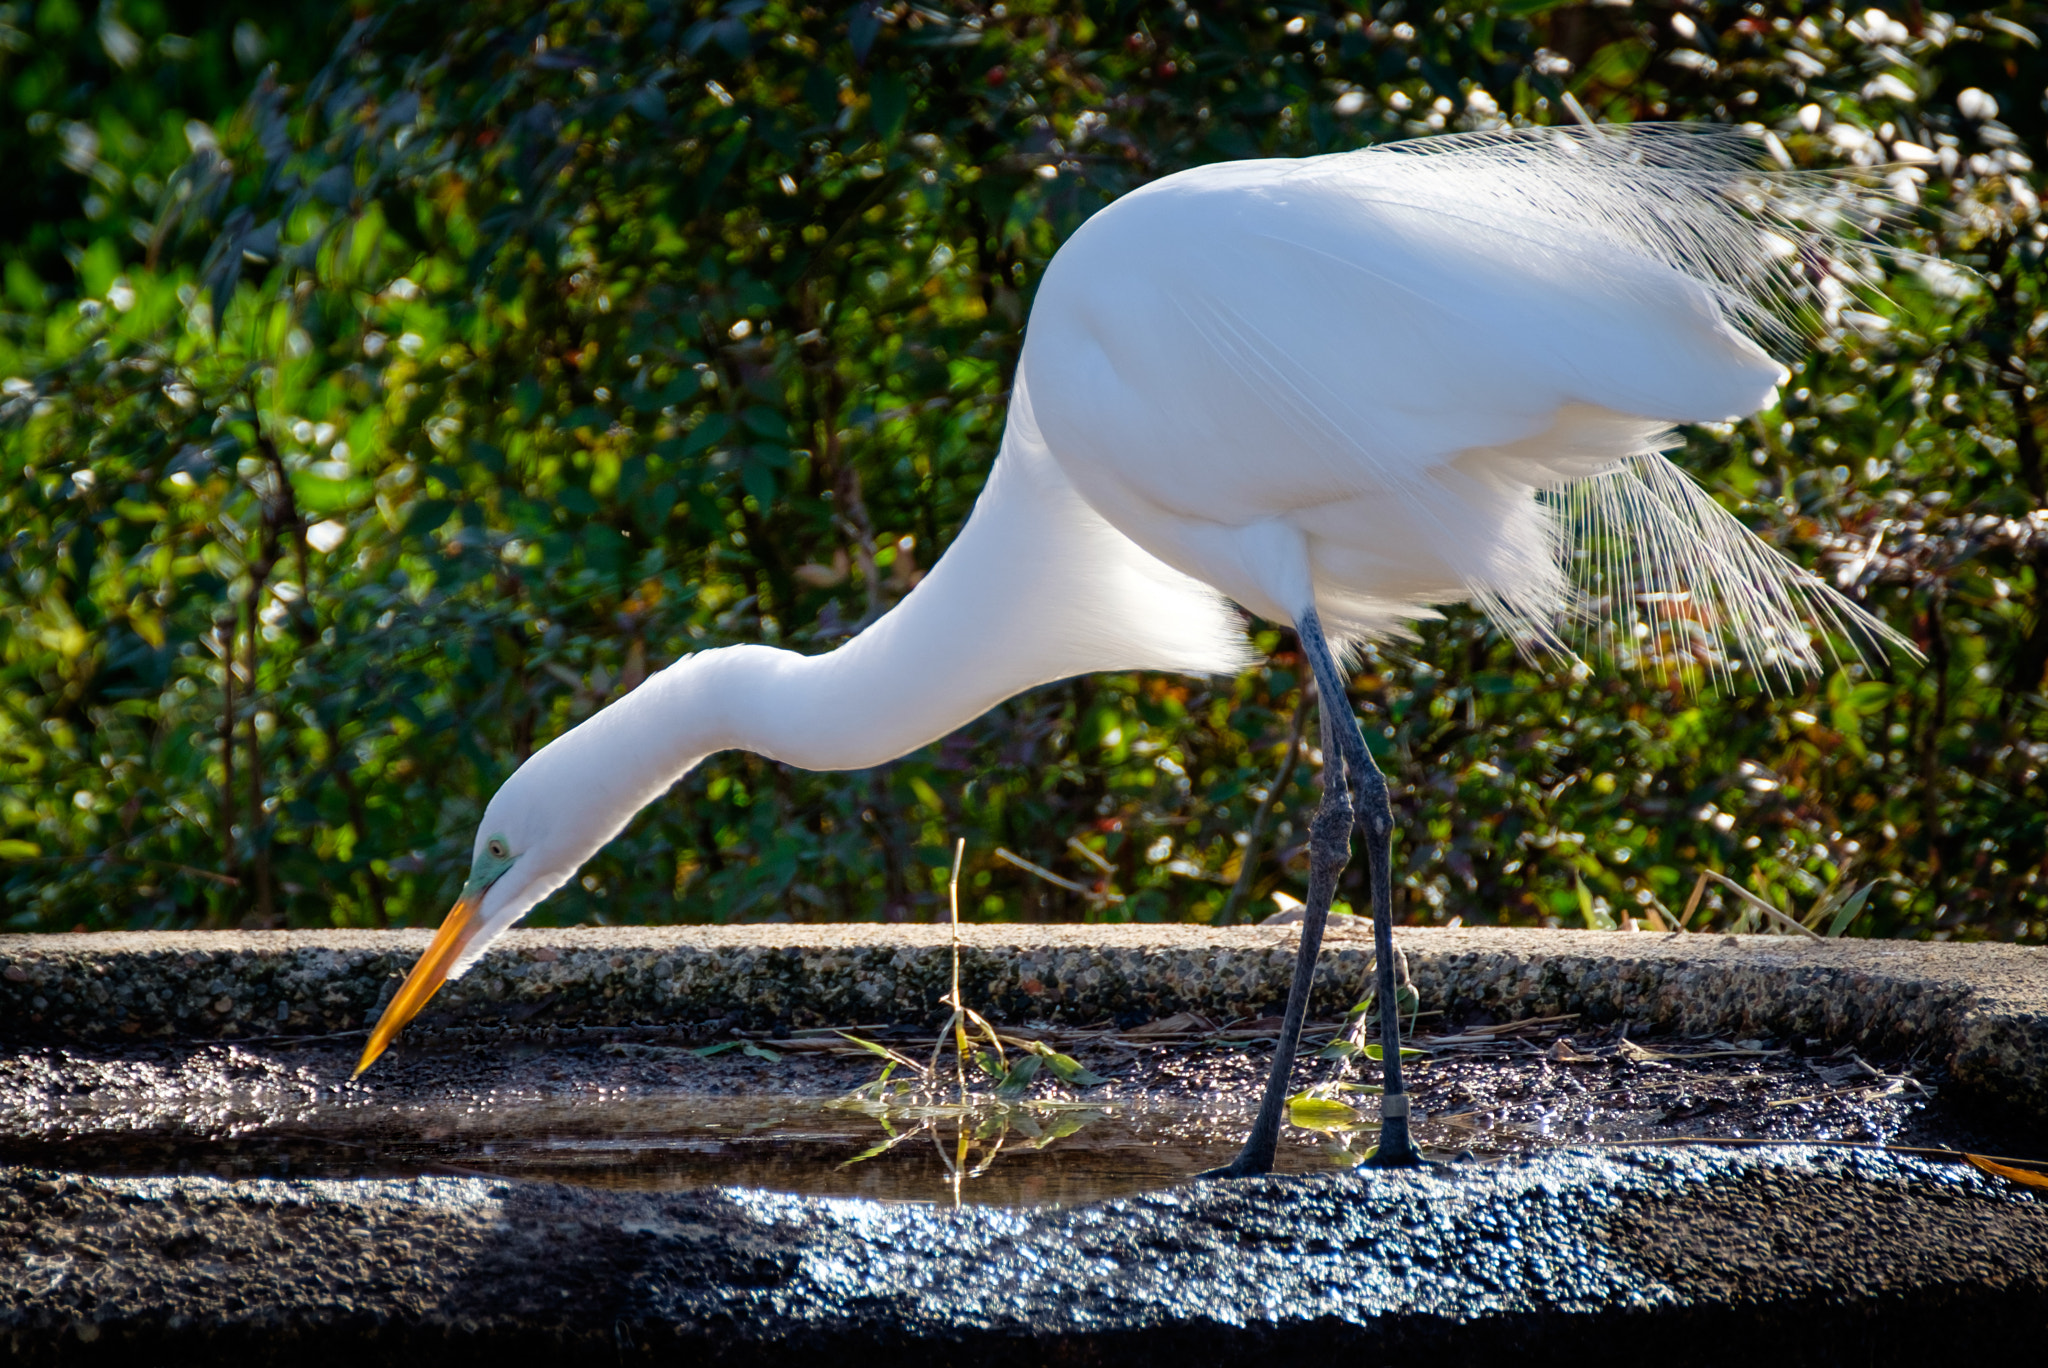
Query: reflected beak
x=426, y=977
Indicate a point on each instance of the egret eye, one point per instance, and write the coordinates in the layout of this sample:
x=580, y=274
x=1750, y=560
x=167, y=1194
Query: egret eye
x=497, y=848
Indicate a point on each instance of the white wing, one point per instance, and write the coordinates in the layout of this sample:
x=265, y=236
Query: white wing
x=1379, y=365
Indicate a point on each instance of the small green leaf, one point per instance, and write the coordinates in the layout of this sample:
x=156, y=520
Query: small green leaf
x=99, y=265
x=888, y=103
x=758, y=480
x=1373, y=1051
x=649, y=103
x=24, y=287
x=1850, y=907
x=1339, y=1152
x=1339, y=1049
x=317, y=494
x=880, y=1147
x=706, y=1051
x=1066, y=1125
x=1020, y=1076
x=870, y=1046
x=1596, y=918
x=762, y=1052
x=1323, y=1113
x=682, y=387
x=1619, y=63
x=712, y=430
x=526, y=397
x=427, y=516
x=821, y=92
x=19, y=850
x=1066, y=1068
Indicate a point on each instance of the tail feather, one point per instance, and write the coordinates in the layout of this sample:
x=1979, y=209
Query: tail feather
x=1668, y=580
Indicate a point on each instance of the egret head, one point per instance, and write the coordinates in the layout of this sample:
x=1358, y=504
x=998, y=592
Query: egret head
x=531, y=839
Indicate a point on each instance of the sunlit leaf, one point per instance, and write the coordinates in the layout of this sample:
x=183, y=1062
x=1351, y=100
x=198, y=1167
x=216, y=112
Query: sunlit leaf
x=1064, y=1067
x=1323, y=1113
x=873, y=1047
x=2025, y=1176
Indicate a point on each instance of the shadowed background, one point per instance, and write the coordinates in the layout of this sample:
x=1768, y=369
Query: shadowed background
x=388, y=386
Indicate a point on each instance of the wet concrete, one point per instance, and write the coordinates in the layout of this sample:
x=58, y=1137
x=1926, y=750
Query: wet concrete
x=130, y=1064
x=1981, y=1009
x=1690, y=1255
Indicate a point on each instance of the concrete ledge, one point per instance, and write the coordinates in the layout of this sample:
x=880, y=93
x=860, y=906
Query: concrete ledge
x=1982, y=1008
x=1684, y=1256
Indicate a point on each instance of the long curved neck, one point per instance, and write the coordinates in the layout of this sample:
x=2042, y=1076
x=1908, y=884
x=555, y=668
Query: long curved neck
x=1037, y=587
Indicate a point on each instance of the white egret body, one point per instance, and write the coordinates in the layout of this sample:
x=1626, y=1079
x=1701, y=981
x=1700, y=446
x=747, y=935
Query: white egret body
x=1335, y=391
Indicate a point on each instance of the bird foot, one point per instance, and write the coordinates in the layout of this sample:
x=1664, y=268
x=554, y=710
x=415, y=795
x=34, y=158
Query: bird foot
x=1386, y=1156
x=1239, y=1167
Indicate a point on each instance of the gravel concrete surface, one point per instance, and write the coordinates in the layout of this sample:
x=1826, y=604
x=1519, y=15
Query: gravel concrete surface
x=1981, y=1009
x=1692, y=1256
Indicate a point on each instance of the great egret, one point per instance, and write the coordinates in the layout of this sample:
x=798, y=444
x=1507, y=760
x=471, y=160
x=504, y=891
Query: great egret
x=1336, y=391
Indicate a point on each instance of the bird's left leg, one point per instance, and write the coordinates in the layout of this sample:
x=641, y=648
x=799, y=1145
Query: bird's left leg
x=1329, y=850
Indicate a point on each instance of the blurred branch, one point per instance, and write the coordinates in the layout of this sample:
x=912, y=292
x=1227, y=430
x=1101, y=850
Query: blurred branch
x=1255, y=834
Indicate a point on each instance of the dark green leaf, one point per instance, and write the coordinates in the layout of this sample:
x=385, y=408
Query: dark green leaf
x=888, y=103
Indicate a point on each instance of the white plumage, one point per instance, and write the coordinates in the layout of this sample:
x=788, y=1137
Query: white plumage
x=1397, y=360
x=1362, y=384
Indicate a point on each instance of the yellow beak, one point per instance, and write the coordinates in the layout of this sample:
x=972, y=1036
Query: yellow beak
x=426, y=977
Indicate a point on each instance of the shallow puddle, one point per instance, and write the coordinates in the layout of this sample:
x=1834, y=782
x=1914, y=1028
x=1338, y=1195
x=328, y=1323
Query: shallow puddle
x=1013, y=1154
x=665, y=1117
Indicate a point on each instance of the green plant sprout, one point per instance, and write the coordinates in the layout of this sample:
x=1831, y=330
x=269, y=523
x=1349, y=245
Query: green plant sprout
x=908, y=1107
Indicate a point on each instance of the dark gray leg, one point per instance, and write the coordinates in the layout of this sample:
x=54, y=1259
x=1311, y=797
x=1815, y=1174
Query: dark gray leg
x=1376, y=824
x=1329, y=850
x=1347, y=767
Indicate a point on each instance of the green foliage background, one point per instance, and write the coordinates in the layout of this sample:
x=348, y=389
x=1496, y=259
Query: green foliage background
x=388, y=386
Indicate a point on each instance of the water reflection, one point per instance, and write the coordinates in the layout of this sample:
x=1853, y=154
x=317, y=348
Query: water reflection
x=969, y=1137
x=898, y=1139
x=902, y=1148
